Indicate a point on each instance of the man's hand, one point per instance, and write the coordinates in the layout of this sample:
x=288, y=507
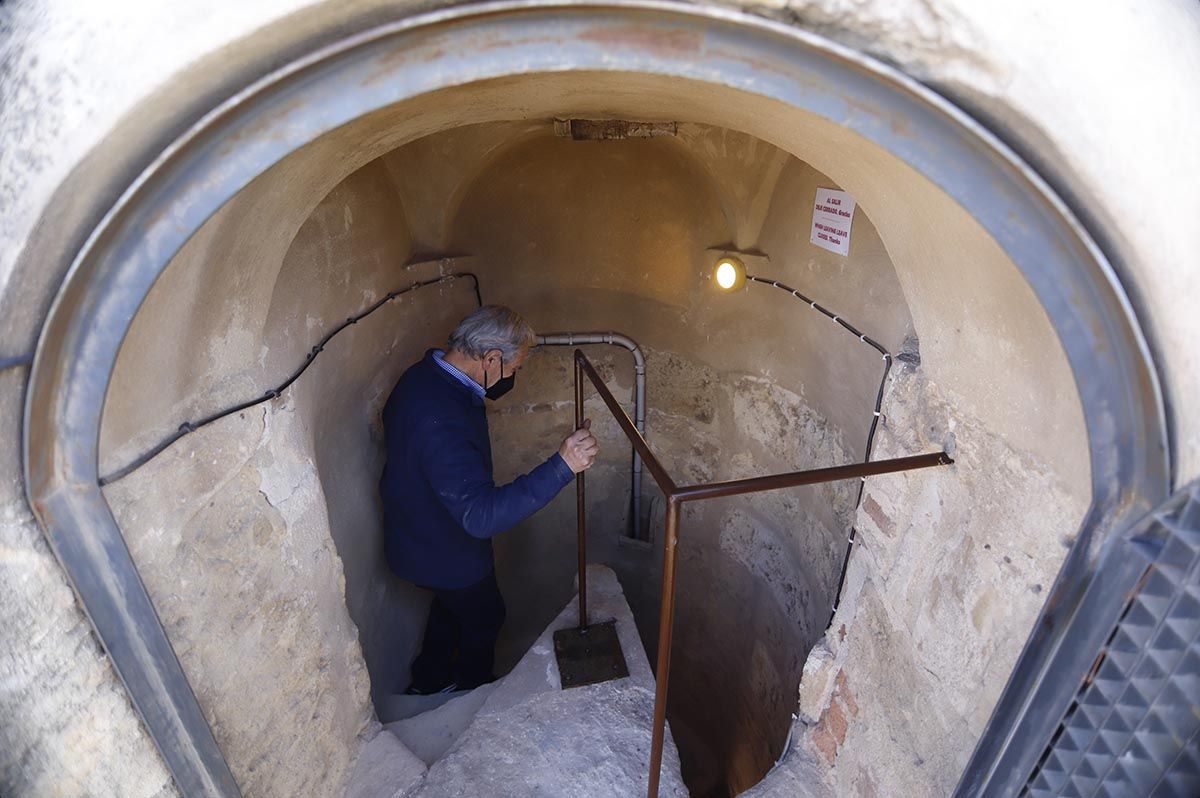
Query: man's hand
x=580, y=448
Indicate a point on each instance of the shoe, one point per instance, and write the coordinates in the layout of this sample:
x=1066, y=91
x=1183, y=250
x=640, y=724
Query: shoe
x=415, y=690
x=466, y=685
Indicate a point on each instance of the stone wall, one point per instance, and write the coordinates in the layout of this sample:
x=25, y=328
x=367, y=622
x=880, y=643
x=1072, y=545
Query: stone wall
x=229, y=531
x=949, y=567
x=348, y=254
x=296, y=485
x=68, y=728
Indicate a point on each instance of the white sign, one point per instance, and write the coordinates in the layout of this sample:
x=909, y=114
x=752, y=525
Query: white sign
x=833, y=212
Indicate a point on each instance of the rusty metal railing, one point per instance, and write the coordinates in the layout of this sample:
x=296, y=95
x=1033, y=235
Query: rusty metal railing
x=676, y=495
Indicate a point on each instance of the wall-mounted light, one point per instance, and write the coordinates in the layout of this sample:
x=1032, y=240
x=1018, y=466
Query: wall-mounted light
x=729, y=274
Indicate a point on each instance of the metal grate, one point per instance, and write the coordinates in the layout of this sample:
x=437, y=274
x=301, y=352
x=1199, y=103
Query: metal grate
x=1134, y=727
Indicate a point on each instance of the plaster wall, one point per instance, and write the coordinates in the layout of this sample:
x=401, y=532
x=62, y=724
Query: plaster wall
x=664, y=204
x=70, y=87
x=343, y=257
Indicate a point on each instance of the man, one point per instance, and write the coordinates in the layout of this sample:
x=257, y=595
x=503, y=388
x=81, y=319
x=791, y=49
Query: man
x=441, y=507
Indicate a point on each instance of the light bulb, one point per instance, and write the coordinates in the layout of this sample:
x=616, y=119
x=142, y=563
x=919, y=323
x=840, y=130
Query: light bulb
x=729, y=274
x=726, y=274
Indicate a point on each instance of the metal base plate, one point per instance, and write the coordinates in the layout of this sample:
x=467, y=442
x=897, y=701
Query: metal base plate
x=589, y=656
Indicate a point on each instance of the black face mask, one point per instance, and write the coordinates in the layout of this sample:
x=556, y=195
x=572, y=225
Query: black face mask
x=500, y=386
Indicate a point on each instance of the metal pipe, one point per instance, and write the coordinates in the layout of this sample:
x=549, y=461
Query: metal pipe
x=665, y=483
x=793, y=479
x=666, y=623
x=639, y=400
x=581, y=507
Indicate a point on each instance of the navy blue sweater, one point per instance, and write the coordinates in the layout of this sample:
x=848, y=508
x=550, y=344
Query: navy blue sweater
x=440, y=504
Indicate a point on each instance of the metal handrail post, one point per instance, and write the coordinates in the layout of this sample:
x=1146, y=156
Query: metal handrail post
x=627, y=425
x=675, y=497
x=814, y=476
x=666, y=624
x=581, y=505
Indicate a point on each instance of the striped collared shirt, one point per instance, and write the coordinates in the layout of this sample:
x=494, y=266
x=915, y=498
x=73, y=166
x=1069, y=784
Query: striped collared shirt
x=440, y=357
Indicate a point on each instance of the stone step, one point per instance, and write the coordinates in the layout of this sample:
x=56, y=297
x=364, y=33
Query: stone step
x=524, y=735
x=385, y=769
x=431, y=733
x=399, y=706
x=531, y=737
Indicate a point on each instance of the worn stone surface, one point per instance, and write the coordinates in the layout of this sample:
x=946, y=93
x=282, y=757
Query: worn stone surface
x=952, y=565
x=399, y=706
x=532, y=738
x=351, y=252
x=385, y=768
x=777, y=553
x=237, y=312
x=245, y=577
x=799, y=775
x=68, y=728
x=430, y=734
x=816, y=682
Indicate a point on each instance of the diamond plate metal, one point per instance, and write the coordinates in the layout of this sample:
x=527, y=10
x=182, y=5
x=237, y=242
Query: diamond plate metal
x=1134, y=727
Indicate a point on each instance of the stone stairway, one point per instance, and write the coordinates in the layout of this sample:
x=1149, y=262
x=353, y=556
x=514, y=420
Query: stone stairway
x=395, y=708
x=524, y=735
x=430, y=734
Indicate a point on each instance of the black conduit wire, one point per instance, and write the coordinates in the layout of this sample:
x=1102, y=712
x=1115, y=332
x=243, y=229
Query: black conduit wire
x=887, y=368
x=7, y=363
x=274, y=393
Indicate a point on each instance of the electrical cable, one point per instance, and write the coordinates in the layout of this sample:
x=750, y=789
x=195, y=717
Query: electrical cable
x=876, y=415
x=192, y=426
x=7, y=363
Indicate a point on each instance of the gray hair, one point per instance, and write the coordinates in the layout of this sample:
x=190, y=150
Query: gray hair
x=492, y=327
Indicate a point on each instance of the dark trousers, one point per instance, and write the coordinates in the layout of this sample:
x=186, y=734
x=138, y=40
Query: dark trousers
x=466, y=620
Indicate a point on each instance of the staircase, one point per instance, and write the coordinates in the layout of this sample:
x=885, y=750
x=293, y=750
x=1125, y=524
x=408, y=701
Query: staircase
x=524, y=735
x=430, y=733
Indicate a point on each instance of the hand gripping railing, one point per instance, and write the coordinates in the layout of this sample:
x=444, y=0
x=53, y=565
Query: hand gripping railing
x=675, y=496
